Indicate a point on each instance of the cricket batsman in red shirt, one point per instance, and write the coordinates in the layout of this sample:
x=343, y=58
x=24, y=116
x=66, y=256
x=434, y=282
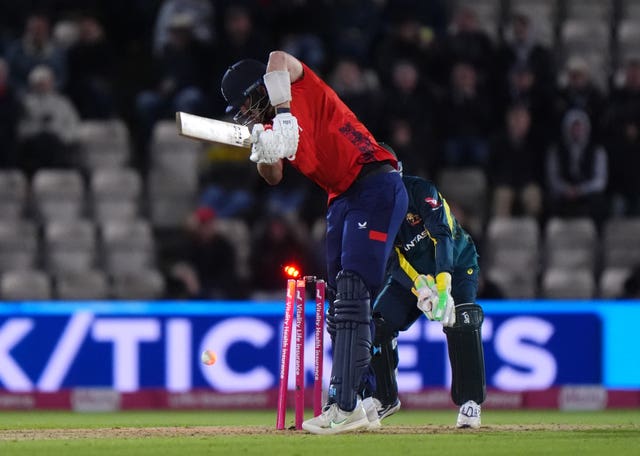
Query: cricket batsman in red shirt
x=296, y=118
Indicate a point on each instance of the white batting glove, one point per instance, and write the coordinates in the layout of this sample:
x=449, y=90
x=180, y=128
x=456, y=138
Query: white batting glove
x=263, y=149
x=285, y=129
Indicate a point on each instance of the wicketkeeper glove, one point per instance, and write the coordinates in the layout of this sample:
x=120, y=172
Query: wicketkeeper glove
x=285, y=129
x=434, y=297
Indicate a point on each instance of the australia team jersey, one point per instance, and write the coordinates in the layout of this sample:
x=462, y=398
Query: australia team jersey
x=333, y=143
x=430, y=239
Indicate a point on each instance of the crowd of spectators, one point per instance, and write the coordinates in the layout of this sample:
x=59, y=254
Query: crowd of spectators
x=424, y=76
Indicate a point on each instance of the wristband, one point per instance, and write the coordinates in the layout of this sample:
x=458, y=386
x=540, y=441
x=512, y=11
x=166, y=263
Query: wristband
x=283, y=110
x=278, y=84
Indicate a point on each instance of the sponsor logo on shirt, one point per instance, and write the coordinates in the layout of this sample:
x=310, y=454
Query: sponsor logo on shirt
x=413, y=219
x=433, y=202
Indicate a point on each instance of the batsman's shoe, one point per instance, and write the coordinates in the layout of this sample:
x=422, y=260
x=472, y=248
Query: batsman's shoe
x=371, y=408
x=385, y=410
x=469, y=415
x=334, y=420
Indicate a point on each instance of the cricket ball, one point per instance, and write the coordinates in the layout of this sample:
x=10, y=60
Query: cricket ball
x=209, y=357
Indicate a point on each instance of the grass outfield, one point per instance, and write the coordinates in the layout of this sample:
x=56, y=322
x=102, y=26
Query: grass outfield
x=244, y=433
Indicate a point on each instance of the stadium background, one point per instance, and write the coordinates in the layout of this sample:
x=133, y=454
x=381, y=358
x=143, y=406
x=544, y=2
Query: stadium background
x=102, y=203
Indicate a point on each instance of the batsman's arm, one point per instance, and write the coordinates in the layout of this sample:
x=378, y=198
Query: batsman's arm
x=282, y=70
x=271, y=172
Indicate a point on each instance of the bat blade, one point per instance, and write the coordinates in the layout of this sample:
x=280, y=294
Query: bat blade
x=212, y=130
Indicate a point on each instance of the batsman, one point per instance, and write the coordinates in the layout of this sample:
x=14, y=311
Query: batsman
x=297, y=119
x=434, y=272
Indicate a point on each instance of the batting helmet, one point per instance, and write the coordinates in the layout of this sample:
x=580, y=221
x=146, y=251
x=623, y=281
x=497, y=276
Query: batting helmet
x=240, y=80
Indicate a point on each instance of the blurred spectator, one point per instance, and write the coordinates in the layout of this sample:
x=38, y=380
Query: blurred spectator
x=48, y=127
x=408, y=122
x=351, y=29
x=285, y=200
x=239, y=39
x=183, y=76
x=359, y=88
x=622, y=130
x=228, y=191
x=521, y=47
x=521, y=88
x=201, y=13
x=182, y=282
x=515, y=167
x=91, y=64
x=466, y=41
x=35, y=48
x=9, y=115
x=275, y=244
x=407, y=39
x=577, y=170
x=465, y=117
x=212, y=257
x=579, y=91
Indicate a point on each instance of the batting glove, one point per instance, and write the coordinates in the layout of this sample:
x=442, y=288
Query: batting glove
x=285, y=129
x=263, y=148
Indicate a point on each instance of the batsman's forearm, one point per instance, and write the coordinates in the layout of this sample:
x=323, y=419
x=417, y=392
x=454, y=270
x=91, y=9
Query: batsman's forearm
x=271, y=173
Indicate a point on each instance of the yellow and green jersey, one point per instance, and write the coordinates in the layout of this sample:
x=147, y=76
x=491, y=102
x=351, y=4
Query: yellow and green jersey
x=430, y=239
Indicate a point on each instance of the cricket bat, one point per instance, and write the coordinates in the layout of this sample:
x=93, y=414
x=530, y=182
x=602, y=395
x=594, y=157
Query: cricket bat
x=212, y=130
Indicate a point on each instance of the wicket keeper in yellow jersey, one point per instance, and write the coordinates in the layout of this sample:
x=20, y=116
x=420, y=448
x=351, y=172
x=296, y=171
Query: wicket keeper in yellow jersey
x=434, y=272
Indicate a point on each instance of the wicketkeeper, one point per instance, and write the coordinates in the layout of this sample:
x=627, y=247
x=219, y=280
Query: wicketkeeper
x=435, y=273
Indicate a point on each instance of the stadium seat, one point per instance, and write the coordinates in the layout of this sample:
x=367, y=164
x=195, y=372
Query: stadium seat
x=18, y=245
x=588, y=9
x=69, y=245
x=627, y=38
x=81, y=285
x=630, y=9
x=514, y=283
x=25, y=285
x=512, y=255
x=13, y=193
x=173, y=153
x=466, y=188
x=58, y=194
x=103, y=144
x=115, y=194
x=536, y=10
x=570, y=243
x=513, y=242
x=579, y=36
x=567, y=283
x=621, y=242
x=127, y=245
x=612, y=280
x=171, y=199
x=142, y=283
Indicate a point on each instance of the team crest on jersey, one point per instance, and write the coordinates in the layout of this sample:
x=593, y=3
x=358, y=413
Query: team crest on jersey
x=434, y=203
x=413, y=219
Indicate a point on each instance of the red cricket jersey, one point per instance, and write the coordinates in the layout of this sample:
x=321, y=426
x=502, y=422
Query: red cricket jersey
x=333, y=143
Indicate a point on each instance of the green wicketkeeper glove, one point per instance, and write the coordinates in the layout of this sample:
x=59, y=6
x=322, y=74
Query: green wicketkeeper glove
x=443, y=307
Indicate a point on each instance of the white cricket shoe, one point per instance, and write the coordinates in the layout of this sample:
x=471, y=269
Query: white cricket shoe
x=469, y=415
x=386, y=410
x=334, y=420
x=370, y=406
